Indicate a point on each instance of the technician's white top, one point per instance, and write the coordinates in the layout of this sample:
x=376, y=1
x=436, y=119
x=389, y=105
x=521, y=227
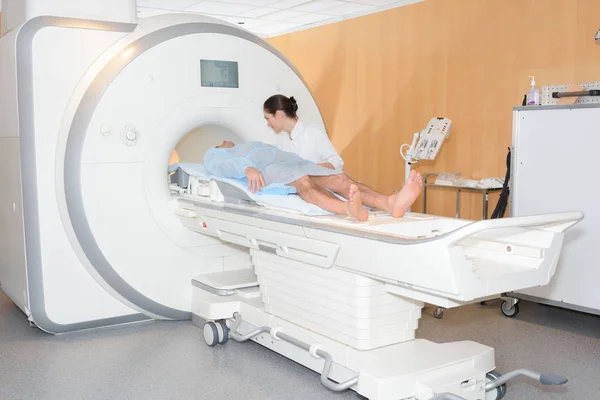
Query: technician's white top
x=311, y=143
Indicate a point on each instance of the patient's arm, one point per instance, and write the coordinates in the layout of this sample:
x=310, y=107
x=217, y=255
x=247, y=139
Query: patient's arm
x=255, y=179
x=225, y=165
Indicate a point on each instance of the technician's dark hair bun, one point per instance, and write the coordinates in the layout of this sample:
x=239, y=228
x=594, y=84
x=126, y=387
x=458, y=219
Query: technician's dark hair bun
x=279, y=102
x=294, y=104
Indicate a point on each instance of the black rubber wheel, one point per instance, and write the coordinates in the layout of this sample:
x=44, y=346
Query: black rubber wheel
x=223, y=332
x=509, y=311
x=500, y=390
x=438, y=313
x=211, y=334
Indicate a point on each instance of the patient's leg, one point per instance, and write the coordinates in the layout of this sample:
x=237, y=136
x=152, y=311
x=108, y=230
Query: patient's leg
x=396, y=204
x=400, y=202
x=312, y=193
x=340, y=184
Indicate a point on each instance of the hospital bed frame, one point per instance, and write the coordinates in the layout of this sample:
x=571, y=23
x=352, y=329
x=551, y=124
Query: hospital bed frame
x=333, y=294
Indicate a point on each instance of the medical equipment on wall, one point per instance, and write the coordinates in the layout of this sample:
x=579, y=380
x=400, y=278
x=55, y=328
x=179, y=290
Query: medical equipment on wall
x=551, y=96
x=540, y=183
x=560, y=95
x=96, y=232
x=426, y=144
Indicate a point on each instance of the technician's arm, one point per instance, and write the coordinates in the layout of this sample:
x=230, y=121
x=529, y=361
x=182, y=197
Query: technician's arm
x=331, y=159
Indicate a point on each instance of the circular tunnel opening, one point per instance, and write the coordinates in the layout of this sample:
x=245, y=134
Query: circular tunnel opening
x=193, y=145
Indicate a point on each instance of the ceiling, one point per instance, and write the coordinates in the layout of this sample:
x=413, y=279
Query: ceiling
x=272, y=17
x=268, y=18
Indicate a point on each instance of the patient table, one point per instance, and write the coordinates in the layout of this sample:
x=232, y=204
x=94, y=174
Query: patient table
x=344, y=298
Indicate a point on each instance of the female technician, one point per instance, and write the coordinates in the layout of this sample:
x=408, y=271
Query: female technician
x=308, y=141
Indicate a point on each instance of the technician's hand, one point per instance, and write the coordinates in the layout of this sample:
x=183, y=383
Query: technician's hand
x=255, y=180
x=327, y=165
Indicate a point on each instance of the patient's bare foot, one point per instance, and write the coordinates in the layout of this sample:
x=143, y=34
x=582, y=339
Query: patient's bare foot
x=400, y=202
x=355, y=206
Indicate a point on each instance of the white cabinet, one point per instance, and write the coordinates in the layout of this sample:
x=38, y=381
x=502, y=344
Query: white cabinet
x=555, y=167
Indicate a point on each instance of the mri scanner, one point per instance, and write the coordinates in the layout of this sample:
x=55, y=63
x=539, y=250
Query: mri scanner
x=96, y=232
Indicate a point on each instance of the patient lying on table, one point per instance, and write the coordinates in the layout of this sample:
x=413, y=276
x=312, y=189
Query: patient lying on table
x=265, y=165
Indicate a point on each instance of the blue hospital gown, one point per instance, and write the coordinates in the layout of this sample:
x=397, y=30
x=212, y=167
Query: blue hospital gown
x=276, y=166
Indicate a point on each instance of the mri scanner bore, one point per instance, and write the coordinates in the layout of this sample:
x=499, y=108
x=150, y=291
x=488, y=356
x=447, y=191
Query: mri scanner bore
x=90, y=129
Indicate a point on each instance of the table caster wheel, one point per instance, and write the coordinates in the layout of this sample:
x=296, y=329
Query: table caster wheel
x=509, y=310
x=497, y=393
x=211, y=333
x=223, y=331
x=438, y=313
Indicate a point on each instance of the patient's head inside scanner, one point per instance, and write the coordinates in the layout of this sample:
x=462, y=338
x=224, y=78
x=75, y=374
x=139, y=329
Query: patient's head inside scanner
x=193, y=145
x=280, y=112
x=227, y=144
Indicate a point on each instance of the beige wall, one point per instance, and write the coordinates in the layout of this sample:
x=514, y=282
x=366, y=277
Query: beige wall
x=381, y=77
